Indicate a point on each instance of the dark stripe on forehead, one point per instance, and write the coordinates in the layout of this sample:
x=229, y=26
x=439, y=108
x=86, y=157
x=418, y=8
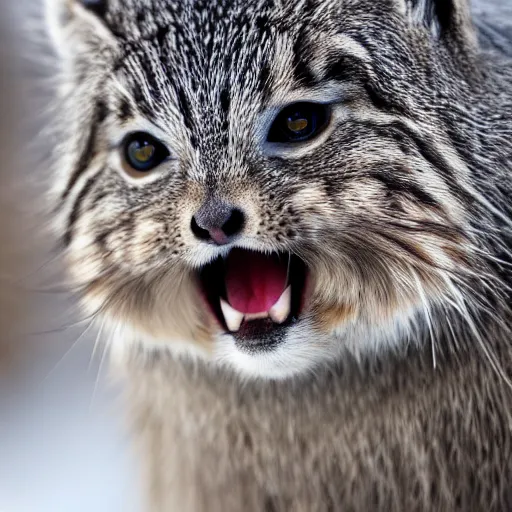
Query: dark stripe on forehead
x=225, y=100
x=225, y=104
x=161, y=35
x=187, y=114
x=265, y=83
x=348, y=67
x=345, y=67
x=301, y=70
x=383, y=101
x=138, y=96
x=77, y=207
x=125, y=110
x=88, y=152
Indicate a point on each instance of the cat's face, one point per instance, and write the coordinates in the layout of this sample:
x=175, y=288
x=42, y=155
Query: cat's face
x=265, y=184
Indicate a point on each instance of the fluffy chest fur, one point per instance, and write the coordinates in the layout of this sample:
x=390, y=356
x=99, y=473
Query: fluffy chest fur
x=398, y=437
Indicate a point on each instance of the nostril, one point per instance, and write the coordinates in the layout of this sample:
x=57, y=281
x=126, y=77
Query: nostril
x=217, y=222
x=235, y=223
x=199, y=232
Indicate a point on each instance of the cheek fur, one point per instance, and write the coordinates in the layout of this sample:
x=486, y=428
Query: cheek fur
x=342, y=293
x=165, y=309
x=330, y=317
x=135, y=279
x=373, y=286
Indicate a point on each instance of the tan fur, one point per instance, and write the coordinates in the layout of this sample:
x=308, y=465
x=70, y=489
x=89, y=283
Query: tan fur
x=331, y=317
x=149, y=312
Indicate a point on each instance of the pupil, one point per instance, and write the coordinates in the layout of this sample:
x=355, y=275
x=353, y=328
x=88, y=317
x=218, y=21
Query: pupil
x=297, y=123
x=142, y=154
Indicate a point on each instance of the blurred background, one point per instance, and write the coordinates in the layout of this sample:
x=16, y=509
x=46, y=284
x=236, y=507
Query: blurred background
x=63, y=444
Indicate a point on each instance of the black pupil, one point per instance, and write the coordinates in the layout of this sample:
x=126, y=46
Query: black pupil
x=143, y=153
x=301, y=124
x=298, y=122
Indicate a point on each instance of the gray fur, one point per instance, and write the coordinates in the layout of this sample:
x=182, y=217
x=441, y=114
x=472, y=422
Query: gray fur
x=392, y=391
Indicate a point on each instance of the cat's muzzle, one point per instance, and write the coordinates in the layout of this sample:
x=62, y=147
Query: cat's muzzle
x=255, y=296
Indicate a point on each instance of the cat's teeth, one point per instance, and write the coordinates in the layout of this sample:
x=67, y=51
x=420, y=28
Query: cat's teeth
x=281, y=309
x=256, y=316
x=232, y=317
x=279, y=312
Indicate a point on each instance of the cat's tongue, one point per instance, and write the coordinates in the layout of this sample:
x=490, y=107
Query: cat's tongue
x=254, y=281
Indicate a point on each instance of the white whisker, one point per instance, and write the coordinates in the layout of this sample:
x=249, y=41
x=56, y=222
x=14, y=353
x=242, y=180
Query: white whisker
x=459, y=304
x=75, y=343
x=106, y=348
x=427, y=313
x=96, y=342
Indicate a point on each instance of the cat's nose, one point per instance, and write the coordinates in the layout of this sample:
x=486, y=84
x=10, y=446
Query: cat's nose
x=217, y=222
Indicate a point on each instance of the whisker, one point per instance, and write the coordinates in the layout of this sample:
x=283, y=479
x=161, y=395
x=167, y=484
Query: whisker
x=96, y=342
x=75, y=343
x=106, y=348
x=427, y=313
x=460, y=305
x=63, y=328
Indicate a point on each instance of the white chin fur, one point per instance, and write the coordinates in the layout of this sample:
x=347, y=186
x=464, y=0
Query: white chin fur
x=304, y=350
x=296, y=355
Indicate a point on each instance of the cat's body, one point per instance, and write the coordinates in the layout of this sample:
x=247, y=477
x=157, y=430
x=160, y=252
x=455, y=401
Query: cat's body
x=388, y=386
x=403, y=437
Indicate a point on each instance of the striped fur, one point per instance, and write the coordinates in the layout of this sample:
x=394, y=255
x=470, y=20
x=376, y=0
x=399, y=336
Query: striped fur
x=401, y=210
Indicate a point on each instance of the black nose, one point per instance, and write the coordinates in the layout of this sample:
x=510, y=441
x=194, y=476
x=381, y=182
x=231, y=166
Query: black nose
x=217, y=222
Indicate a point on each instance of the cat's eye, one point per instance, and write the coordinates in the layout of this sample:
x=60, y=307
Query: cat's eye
x=142, y=152
x=299, y=122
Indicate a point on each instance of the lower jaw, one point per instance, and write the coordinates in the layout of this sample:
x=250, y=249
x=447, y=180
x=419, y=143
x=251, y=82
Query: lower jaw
x=260, y=335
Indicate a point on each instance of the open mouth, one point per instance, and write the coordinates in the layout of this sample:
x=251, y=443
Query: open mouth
x=253, y=294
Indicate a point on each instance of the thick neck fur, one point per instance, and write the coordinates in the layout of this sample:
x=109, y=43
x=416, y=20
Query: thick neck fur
x=393, y=435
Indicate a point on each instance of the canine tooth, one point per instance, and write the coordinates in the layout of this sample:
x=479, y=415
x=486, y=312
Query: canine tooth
x=281, y=309
x=232, y=317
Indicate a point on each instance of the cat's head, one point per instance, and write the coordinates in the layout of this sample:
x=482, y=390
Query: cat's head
x=264, y=183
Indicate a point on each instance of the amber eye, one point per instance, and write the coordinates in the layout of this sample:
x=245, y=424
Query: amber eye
x=142, y=152
x=299, y=122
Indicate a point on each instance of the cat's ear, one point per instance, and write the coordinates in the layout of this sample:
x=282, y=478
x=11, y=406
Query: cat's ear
x=78, y=27
x=449, y=19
